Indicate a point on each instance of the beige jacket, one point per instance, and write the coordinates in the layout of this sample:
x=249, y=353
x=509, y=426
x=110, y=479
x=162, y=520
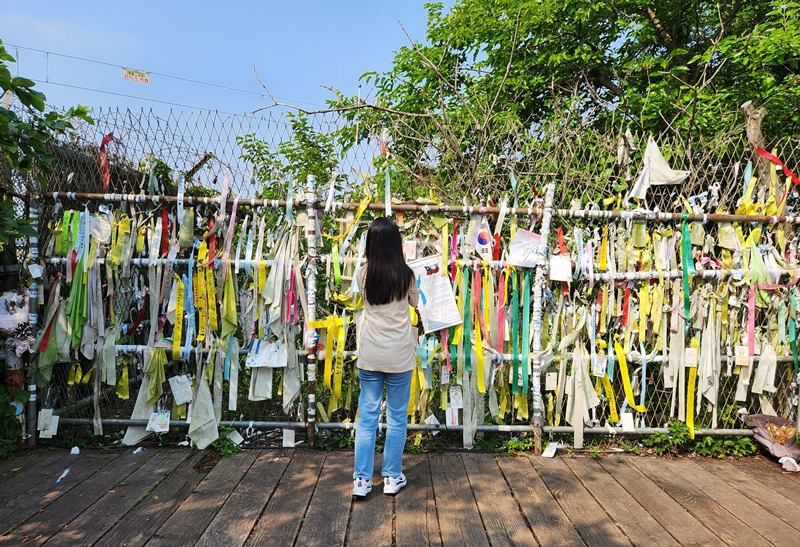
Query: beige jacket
x=387, y=341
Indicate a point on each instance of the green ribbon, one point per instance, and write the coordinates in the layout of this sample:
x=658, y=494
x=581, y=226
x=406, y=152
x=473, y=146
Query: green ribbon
x=526, y=323
x=337, y=270
x=77, y=305
x=515, y=332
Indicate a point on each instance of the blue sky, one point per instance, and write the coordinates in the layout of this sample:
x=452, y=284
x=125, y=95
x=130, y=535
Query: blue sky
x=297, y=46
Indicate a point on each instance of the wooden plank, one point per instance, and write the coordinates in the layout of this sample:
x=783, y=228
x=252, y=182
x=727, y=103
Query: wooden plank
x=632, y=518
x=716, y=518
x=46, y=492
x=500, y=512
x=544, y=515
x=459, y=518
x=771, y=475
x=121, y=498
x=22, y=482
x=416, y=522
x=50, y=519
x=140, y=523
x=238, y=515
x=285, y=511
x=747, y=485
x=329, y=511
x=588, y=517
x=749, y=512
x=371, y=520
x=191, y=519
x=671, y=515
x=25, y=459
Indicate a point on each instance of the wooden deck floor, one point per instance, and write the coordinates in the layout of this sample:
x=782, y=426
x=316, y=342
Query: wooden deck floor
x=165, y=497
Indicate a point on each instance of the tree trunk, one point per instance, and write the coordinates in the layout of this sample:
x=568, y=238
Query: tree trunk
x=752, y=124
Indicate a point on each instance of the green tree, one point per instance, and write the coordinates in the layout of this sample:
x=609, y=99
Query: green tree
x=495, y=79
x=24, y=142
x=657, y=65
x=308, y=152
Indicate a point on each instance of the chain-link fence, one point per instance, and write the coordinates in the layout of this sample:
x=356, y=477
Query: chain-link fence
x=591, y=170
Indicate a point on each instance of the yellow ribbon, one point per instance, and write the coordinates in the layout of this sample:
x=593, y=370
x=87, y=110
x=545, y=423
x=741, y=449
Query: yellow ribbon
x=361, y=208
x=123, y=389
x=211, y=299
x=626, y=379
x=177, y=332
x=75, y=375
x=690, y=393
x=612, y=401
x=333, y=371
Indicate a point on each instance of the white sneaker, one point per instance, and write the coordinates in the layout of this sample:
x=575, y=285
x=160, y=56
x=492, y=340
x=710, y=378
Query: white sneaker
x=392, y=486
x=362, y=487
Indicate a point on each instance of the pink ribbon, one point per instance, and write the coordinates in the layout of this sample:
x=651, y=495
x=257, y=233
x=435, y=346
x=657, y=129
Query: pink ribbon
x=226, y=255
x=501, y=313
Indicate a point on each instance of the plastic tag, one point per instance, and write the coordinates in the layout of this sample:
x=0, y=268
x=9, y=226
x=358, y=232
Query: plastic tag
x=599, y=366
x=560, y=268
x=741, y=359
x=456, y=397
x=691, y=357
x=158, y=422
x=181, y=389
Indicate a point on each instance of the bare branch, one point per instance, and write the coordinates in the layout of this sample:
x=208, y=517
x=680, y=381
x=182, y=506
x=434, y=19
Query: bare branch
x=334, y=109
x=438, y=72
x=508, y=65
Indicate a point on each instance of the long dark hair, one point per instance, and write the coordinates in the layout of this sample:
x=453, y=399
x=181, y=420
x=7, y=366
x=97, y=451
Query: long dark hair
x=388, y=276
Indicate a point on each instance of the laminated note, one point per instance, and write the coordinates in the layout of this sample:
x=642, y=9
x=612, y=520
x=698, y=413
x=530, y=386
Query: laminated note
x=452, y=416
x=524, y=249
x=691, y=357
x=560, y=268
x=158, y=422
x=599, y=366
x=45, y=417
x=727, y=236
x=410, y=249
x=52, y=430
x=627, y=422
x=742, y=359
x=456, y=397
x=181, y=389
x=550, y=451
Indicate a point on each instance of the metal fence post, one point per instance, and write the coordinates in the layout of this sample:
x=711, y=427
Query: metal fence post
x=538, y=295
x=33, y=320
x=311, y=312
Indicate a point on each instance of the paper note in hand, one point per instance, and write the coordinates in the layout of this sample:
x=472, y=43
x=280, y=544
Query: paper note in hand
x=437, y=304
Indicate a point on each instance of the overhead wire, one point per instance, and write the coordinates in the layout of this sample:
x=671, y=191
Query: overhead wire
x=161, y=74
x=170, y=103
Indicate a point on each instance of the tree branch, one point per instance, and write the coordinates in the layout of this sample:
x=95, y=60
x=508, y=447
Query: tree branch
x=508, y=66
x=438, y=72
x=665, y=36
x=361, y=106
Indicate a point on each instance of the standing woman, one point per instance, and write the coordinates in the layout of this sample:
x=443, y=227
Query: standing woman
x=386, y=355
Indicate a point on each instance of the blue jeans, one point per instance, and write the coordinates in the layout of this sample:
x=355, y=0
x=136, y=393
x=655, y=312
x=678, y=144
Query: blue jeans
x=398, y=391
